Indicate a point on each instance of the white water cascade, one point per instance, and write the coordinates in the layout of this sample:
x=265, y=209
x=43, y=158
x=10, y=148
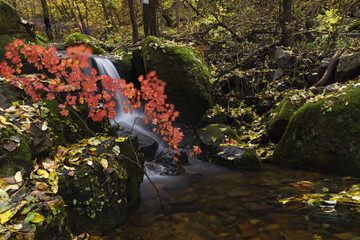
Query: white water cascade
x=130, y=123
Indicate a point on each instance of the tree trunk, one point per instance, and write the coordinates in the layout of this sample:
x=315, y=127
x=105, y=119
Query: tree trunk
x=135, y=34
x=46, y=19
x=150, y=18
x=285, y=23
x=177, y=15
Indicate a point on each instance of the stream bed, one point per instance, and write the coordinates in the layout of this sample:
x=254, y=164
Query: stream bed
x=210, y=202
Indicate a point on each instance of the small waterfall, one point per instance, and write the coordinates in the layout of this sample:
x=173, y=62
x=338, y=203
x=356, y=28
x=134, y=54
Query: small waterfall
x=130, y=123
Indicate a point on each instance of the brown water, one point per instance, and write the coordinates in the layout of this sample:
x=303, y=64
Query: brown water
x=210, y=202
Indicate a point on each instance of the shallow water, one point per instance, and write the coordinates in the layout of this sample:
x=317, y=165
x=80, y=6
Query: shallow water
x=211, y=202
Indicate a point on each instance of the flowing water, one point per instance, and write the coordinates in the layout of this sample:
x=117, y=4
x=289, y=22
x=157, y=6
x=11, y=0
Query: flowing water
x=211, y=202
x=130, y=123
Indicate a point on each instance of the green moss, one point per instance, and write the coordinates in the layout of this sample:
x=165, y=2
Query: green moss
x=186, y=74
x=216, y=134
x=74, y=127
x=17, y=159
x=78, y=38
x=248, y=160
x=123, y=63
x=324, y=136
x=280, y=119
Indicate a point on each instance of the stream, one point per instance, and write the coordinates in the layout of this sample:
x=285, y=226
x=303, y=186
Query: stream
x=211, y=202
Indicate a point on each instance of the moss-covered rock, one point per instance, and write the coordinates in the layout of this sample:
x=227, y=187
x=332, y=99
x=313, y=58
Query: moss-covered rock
x=15, y=152
x=186, y=75
x=235, y=157
x=12, y=27
x=324, y=136
x=78, y=38
x=75, y=126
x=105, y=185
x=279, y=119
x=122, y=62
x=215, y=134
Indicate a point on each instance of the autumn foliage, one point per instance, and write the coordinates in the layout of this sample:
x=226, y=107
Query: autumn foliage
x=69, y=84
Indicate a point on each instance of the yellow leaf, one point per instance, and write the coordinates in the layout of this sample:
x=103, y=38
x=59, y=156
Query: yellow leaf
x=44, y=126
x=94, y=141
x=18, y=177
x=42, y=173
x=120, y=139
x=116, y=149
x=3, y=119
x=38, y=218
x=53, y=178
x=104, y=163
x=53, y=204
x=7, y=215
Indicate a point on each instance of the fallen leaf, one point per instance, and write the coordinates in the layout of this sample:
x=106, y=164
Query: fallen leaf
x=11, y=146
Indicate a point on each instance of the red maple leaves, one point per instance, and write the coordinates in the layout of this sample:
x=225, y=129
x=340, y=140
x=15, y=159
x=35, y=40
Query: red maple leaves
x=69, y=84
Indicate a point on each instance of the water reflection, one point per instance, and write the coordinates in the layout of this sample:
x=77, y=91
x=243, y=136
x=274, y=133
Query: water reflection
x=210, y=202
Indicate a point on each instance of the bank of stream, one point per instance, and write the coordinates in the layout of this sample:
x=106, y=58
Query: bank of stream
x=210, y=202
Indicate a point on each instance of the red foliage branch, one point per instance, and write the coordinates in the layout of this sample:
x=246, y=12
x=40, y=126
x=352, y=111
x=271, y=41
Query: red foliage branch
x=79, y=88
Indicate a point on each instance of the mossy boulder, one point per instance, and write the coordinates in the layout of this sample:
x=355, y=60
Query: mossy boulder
x=74, y=127
x=100, y=191
x=12, y=27
x=279, y=119
x=186, y=75
x=122, y=62
x=212, y=139
x=324, y=135
x=78, y=38
x=215, y=134
x=235, y=157
x=15, y=152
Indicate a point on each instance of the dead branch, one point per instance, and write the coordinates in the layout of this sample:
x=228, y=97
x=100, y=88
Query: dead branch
x=330, y=70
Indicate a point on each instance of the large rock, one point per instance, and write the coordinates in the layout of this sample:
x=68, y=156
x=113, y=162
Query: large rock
x=123, y=63
x=280, y=119
x=235, y=157
x=324, y=135
x=12, y=26
x=78, y=38
x=103, y=187
x=213, y=135
x=348, y=67
x=22, y=139
x=186, y=75
x=282, y=58
x=213, y=139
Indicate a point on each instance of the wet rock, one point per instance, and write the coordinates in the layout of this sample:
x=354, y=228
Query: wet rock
x=172, y=166
x=322, y=140
x=213, y=135
x=247, y=230
x=340, y=216
x=348, y=67
x=235, y=157
x=123, y=64
x=186, y=75
x=298, y=235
